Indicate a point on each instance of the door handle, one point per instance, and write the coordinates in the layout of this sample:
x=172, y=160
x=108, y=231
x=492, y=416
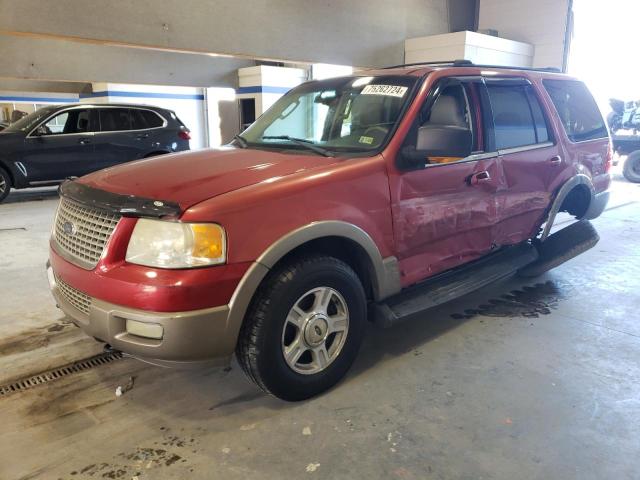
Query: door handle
x=142, y=136
x=557, y=160
x=84, y=141
x=480, y=177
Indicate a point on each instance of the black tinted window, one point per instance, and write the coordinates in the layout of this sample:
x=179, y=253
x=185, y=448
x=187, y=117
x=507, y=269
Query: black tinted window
x=577, y=110
x=138, y=120
x=542, y=132
x=142, y=119
x=153, y=120
x=517, y=116
x=114, y=119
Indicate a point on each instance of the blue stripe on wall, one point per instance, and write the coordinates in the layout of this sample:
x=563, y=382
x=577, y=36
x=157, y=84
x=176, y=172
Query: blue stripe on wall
x=40, y=99
x=262, y=89
x=116, y=93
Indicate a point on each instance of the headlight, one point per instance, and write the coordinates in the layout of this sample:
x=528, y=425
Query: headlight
x=157, y=243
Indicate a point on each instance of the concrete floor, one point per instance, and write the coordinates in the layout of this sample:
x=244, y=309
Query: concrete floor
x=541, y=384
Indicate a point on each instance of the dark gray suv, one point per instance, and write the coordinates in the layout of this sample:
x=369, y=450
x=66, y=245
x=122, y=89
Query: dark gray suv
x=62, y=141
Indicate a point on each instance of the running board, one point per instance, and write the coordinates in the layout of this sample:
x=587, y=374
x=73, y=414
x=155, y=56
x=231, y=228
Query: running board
x=453, y=284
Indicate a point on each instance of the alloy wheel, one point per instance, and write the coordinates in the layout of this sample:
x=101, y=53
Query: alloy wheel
x=315, y=330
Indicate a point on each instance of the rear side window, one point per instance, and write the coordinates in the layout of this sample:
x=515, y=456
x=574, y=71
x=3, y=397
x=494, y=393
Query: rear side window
x=114, y=119
x=517, y=115
x=153, y=120
x=577, y=110
x=142, y=119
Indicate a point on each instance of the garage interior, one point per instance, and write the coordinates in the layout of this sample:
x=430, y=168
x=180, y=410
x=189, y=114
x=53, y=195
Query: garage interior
x=524, y=378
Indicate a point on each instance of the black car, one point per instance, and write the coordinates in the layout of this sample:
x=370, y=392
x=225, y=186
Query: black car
x=62, y=141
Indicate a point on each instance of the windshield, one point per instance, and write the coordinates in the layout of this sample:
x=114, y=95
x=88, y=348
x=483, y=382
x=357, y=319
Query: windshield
x=30, y=121
x=350, y=114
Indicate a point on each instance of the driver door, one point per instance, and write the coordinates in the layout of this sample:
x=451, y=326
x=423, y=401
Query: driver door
x=444, y=209
x=60, y=147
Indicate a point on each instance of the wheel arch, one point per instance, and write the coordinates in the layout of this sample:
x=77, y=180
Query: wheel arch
x=571, y=197
x=9, y=171
x=384, y=273
x=327, y=237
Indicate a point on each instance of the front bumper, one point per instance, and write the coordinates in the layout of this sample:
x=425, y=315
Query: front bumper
x=163, y=338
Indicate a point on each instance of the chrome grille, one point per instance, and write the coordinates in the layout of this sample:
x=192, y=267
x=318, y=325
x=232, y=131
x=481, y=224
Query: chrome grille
x=81, y=232
x=79, y=300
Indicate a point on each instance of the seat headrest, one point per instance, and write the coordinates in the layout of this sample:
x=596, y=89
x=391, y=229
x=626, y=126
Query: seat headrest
x=448, y=110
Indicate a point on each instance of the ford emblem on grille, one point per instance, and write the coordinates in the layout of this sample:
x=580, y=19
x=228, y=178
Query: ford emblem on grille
x=69, y=229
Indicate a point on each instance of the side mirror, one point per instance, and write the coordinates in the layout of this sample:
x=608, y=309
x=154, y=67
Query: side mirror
x=444, y=141
x=438, y=141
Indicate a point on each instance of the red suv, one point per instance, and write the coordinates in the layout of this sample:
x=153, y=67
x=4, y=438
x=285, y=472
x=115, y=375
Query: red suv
x=372, y=196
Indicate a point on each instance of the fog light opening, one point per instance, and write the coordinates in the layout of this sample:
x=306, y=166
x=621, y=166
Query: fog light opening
x=145, y=330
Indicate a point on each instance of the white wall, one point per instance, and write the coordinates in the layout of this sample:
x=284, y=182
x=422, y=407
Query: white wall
x=186, y=102
x=30, y=101
x=222, y=115
x=267, y=84
x=539, y=22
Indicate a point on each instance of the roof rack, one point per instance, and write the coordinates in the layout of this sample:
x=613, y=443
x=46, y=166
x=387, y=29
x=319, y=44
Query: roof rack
x=469, y=63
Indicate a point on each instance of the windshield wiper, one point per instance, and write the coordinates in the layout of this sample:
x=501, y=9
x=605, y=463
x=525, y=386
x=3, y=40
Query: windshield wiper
x=302, y=142
x=241, y=140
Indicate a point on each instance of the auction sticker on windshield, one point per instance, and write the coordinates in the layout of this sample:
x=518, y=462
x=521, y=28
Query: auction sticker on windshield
x=388, y=90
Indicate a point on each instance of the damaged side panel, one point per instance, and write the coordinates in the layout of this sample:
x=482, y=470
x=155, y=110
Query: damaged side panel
x=441, y=220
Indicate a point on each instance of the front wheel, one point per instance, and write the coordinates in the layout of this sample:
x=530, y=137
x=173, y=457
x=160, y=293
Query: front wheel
x=631, y=170
x=5, y=184
x=304, y=328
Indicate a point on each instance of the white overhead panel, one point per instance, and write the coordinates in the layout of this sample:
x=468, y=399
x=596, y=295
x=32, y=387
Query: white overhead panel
x=320, y=71
x=476, y=47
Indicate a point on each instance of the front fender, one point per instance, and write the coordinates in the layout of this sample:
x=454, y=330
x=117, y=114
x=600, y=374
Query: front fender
x=386, y=276
x=385, y=271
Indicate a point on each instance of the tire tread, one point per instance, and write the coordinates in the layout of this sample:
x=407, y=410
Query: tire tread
x=248, y=348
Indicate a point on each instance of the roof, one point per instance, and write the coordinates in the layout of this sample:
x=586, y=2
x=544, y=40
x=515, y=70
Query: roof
x=464, y=67
x=94, y=105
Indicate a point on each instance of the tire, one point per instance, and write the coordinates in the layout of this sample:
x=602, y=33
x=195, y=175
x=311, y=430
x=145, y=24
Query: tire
x=562, y=246
x=631, y=170
x=5, y=184
x=268, y=330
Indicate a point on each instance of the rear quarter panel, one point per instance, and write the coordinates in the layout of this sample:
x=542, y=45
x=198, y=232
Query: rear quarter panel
x=588, y=158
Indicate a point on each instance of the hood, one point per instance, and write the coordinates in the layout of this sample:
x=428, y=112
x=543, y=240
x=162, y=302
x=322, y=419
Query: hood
x=190, y=177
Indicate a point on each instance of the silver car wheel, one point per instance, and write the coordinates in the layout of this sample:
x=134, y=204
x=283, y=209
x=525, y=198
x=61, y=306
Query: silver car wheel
x=315, y=330
x=3, y=185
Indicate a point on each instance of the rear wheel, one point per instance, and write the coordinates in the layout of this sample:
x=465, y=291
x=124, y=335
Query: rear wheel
x=631, y=170
x=304, y=328
x=5, y=184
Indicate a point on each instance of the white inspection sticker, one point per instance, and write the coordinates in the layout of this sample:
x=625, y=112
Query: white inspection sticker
x=389, y=90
